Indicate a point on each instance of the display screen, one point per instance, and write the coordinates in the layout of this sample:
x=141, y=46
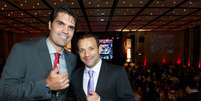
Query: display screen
x=106, y=51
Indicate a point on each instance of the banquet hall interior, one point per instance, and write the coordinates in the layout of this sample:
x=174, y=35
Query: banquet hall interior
x=158, y=42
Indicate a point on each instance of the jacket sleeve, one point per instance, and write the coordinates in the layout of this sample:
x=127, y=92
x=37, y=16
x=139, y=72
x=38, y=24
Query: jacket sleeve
x=123, y=88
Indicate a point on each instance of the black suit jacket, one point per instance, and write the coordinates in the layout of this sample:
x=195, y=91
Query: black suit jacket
x=112, y=85
x=27, y=66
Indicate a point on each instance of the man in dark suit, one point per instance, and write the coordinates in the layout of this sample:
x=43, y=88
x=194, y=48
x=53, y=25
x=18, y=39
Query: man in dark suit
x=31, y=72
x=110, y=82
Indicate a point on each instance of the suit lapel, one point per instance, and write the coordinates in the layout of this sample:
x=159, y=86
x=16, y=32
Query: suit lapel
x=80, y=84
x=68, y=62
x=102, y=75
x=44, y=56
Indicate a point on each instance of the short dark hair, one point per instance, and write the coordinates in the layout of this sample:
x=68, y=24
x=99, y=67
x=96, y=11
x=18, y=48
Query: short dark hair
x=88, y=35
x=63, y=7
x=85, y=36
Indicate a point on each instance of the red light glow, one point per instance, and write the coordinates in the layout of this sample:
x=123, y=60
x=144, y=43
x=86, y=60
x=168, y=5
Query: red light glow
x=145, y=61
x=178, y=61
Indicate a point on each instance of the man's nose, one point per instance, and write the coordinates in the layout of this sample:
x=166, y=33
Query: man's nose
x=86, y=53
x=66, y=29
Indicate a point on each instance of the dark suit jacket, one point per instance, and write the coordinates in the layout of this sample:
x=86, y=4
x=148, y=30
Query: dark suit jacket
x=27, y=66
x=112, y=85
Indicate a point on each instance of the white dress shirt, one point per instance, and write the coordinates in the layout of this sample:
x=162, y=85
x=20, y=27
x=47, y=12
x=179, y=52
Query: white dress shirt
x=62, y=61
x=96, y=70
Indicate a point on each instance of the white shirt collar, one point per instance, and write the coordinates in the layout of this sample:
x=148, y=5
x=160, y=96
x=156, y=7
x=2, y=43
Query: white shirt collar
x=51, y=48
x=96, y=68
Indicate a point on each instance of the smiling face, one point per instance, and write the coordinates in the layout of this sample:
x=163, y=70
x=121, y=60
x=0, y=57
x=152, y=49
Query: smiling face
x=61, y=30
x=89, y=51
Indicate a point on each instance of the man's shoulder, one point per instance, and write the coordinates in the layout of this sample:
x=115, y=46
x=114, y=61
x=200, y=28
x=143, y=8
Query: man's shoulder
x=112, y=67
x=30, y=42
x=79, y=70
x=70, y=53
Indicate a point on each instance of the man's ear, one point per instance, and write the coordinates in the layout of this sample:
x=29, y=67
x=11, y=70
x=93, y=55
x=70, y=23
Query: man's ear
x=49, y=25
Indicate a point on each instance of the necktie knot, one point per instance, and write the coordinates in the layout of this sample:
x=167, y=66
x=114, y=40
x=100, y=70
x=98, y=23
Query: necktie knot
x=57, y=55
x=91, y=73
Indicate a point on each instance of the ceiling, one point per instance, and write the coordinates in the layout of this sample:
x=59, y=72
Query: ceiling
x=31, y=16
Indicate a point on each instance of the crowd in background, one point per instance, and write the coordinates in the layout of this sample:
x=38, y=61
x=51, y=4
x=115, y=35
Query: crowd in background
x=165, y=82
